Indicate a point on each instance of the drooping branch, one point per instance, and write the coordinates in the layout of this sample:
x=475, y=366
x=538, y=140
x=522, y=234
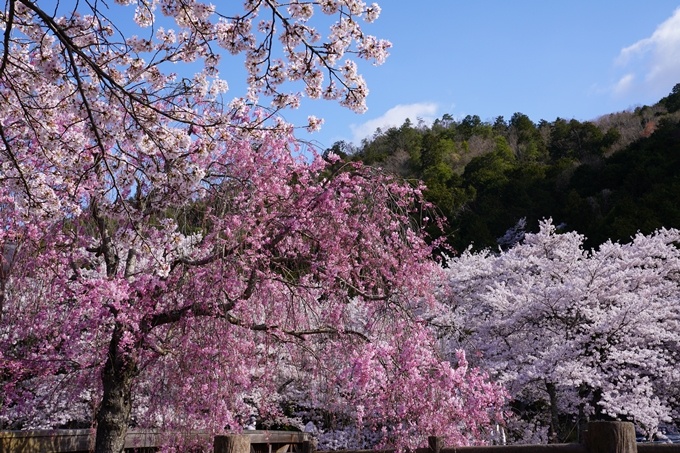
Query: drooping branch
x=8, y=34
x=72, y=49
x=299, y=334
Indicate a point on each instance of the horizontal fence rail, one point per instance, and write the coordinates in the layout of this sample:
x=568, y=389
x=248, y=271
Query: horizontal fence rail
x=548, y=448
x=601, y=437
x=82, y=441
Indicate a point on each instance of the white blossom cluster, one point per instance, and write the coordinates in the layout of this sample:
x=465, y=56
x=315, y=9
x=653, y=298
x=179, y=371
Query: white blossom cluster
x=585, y=334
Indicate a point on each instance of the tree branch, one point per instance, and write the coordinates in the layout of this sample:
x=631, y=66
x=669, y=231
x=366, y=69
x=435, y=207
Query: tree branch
x=8, y=33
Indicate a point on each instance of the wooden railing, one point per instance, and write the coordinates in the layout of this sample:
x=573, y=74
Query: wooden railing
x=147, y=441
x=601, y=437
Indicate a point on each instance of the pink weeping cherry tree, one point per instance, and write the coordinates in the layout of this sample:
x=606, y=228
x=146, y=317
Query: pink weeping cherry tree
x=170, y=259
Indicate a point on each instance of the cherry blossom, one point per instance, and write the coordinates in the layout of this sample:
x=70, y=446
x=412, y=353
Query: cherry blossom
x=583, y=334
x=171, y=259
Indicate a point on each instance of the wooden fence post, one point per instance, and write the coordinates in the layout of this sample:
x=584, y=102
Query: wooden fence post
x=435, y=443
x=236, y=443
x=308, y=446
x=610, y=437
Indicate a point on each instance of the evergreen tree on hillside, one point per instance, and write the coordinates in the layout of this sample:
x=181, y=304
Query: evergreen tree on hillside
x=606, y=179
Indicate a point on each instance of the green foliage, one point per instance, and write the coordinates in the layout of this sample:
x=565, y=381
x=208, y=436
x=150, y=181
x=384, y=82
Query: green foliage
x=637, y=189
x=576, y=140
x=672, y=101
x=485, y=176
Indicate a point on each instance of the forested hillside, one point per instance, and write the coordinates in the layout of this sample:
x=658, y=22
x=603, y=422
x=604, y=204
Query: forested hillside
x=607, y=178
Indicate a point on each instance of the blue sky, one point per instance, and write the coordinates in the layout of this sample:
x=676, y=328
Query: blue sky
x=573, y=59
x=545, y=58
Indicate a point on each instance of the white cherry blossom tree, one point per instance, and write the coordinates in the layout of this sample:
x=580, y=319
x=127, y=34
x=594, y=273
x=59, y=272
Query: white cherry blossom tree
x=573, y=334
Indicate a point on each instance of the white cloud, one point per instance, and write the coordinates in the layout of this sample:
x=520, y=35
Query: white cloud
x=623, y=86
x=395, y=117
x=657, y=58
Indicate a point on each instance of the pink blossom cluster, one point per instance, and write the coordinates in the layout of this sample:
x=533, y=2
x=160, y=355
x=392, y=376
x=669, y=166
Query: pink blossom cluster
x=178, y=263
x=397, y=388
x=279, y=269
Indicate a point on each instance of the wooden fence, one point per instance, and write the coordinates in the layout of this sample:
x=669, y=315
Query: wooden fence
x=601, y=437
x=148, y=441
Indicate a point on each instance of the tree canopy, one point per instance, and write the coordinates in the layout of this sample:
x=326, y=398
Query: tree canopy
x=572, y=334
x=606, y=179
x=175, y=260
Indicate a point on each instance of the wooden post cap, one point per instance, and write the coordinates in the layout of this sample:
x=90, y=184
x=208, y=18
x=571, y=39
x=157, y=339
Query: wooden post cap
x=235, y=443
x=435, y=443
x=308, y=446
x=610, y=437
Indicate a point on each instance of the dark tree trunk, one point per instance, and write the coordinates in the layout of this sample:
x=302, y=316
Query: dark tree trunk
x=2, y=294
x=113, y=416
x=582, y=422
x=554, y=413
